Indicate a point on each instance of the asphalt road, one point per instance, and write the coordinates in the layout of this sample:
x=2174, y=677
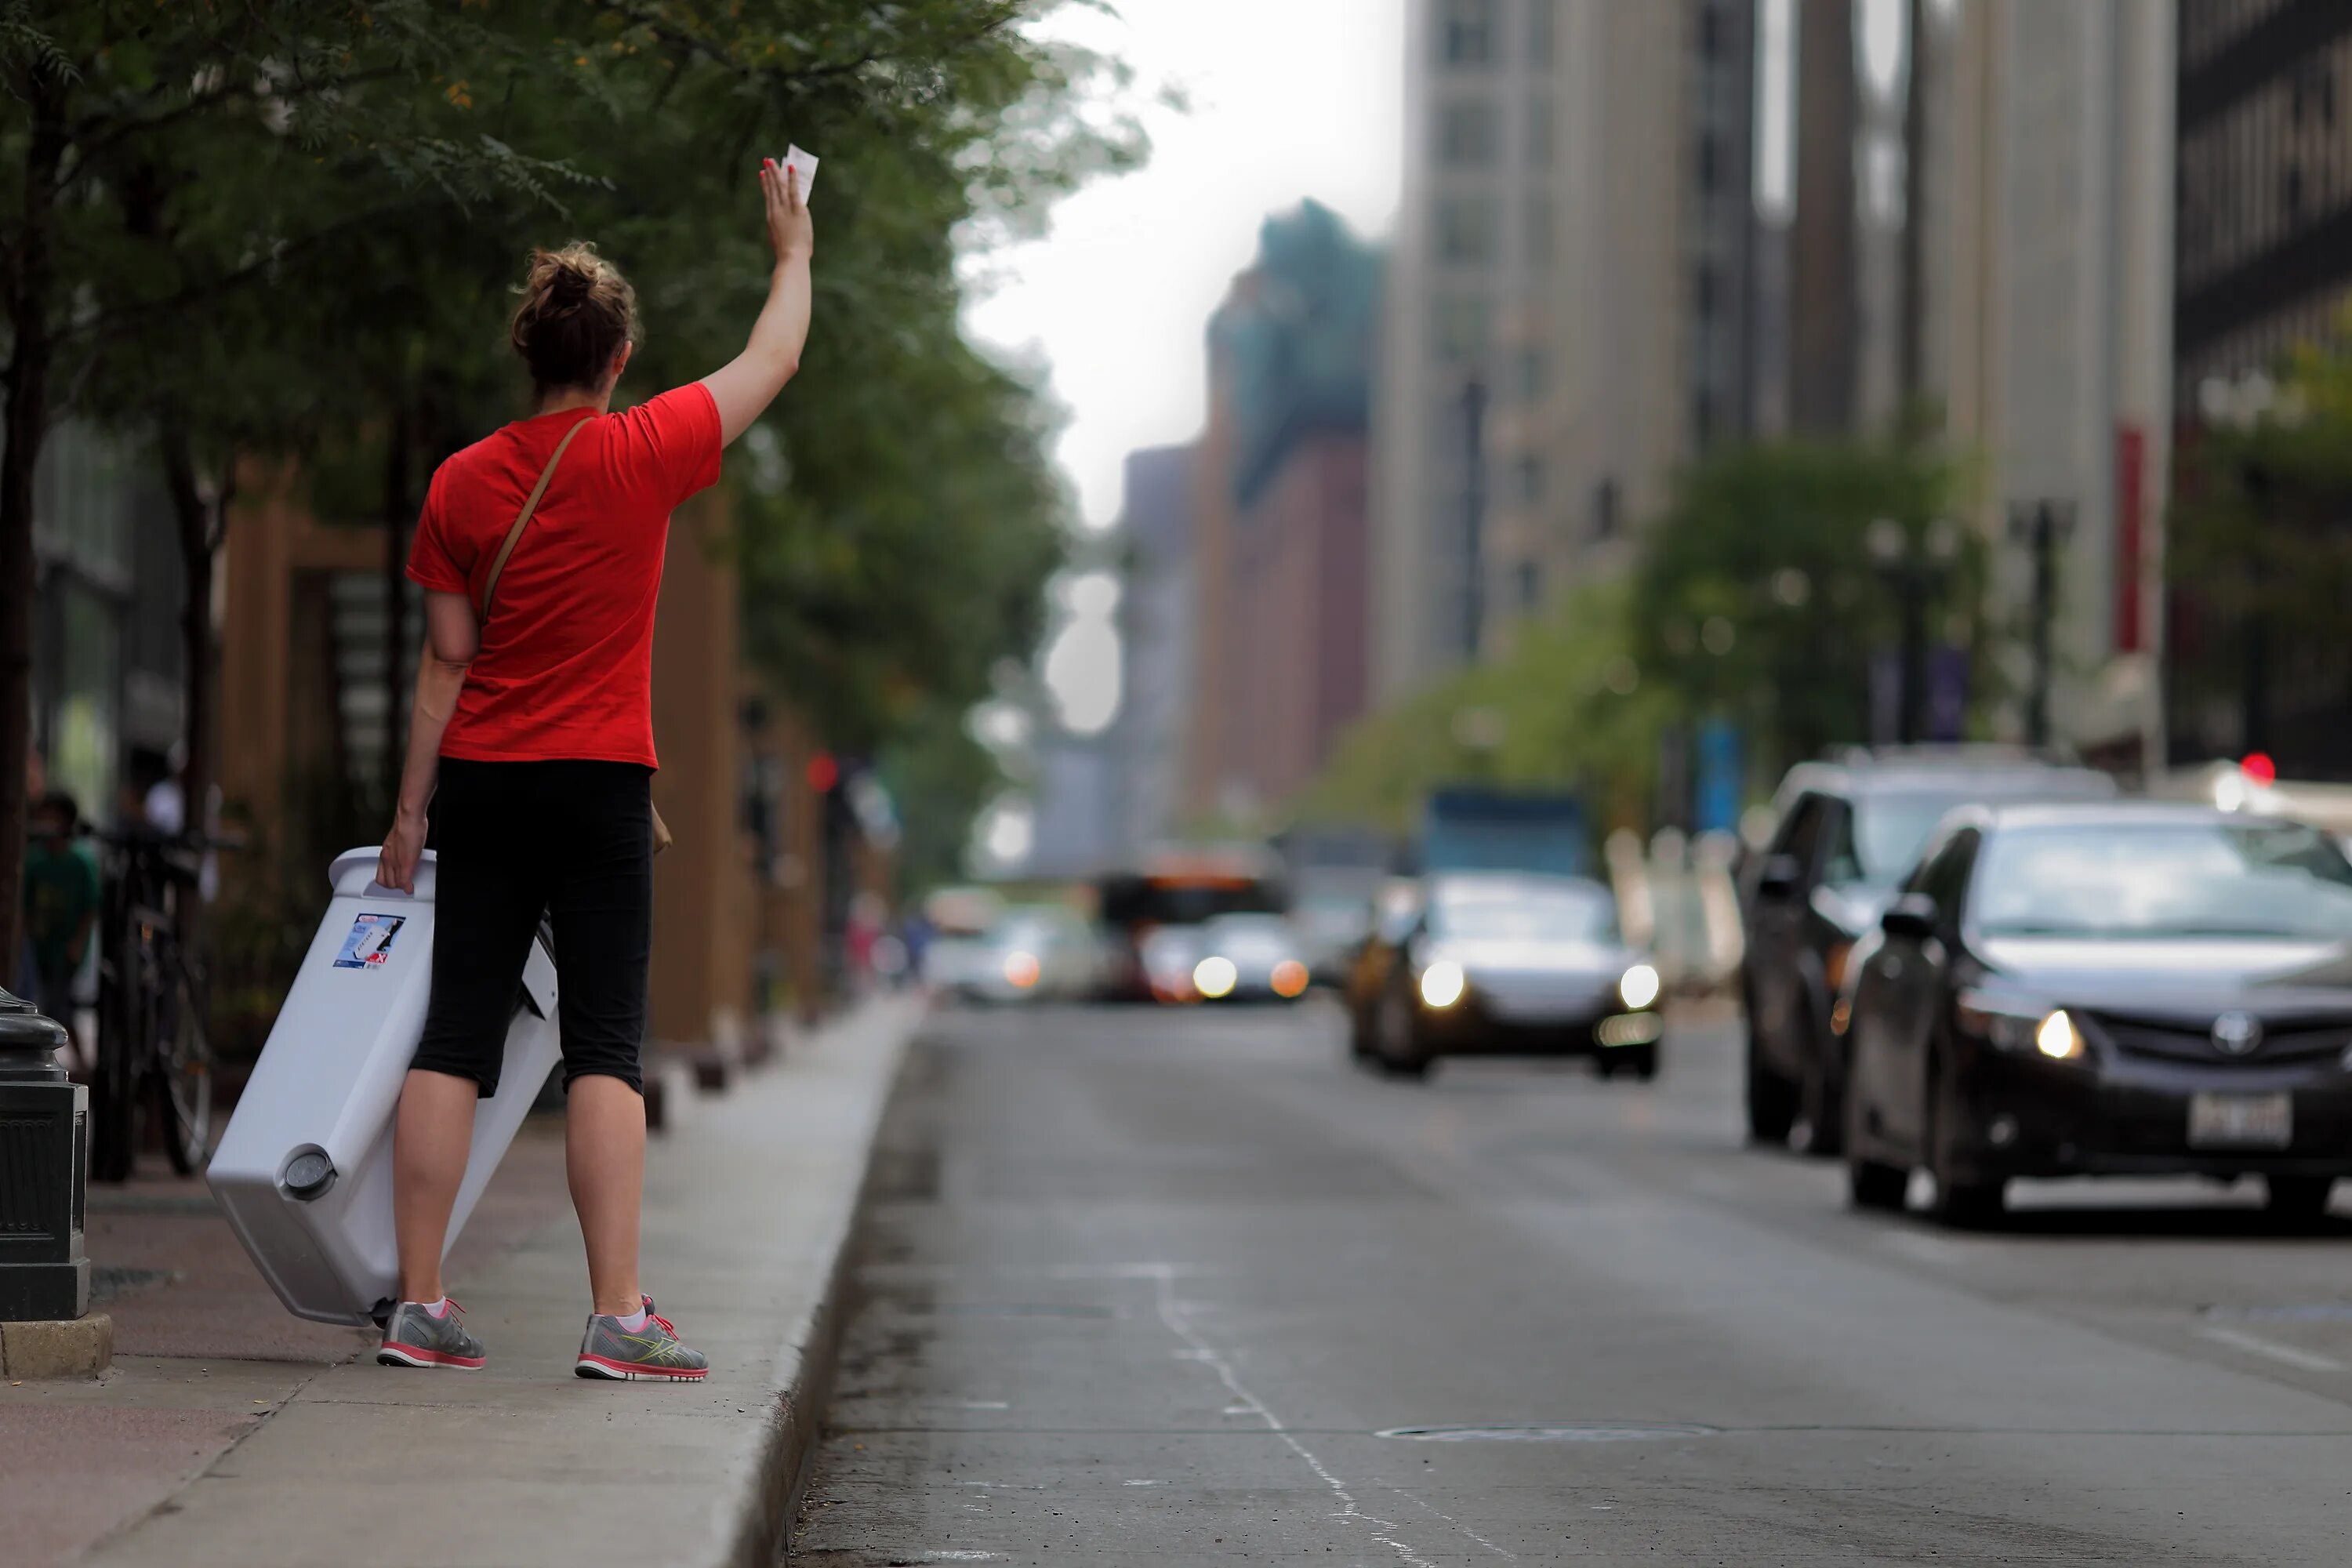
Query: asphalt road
x=1179, y=1287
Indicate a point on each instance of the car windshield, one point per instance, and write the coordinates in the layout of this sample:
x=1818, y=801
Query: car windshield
x=1889, y=831
x=1571, y=913
x=2184, y=879
x=1890, y=827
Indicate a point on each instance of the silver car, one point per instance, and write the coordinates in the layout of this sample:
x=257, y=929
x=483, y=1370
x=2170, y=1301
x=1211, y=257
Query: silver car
x=1500, y=963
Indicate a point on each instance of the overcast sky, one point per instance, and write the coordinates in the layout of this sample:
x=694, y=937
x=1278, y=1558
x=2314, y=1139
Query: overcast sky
x=1289, y=99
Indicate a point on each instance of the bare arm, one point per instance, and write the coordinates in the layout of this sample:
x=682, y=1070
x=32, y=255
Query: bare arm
x=451, y=639
x=750, y=382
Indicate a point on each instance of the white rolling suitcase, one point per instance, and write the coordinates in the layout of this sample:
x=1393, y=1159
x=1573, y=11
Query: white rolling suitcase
x=304, y=1171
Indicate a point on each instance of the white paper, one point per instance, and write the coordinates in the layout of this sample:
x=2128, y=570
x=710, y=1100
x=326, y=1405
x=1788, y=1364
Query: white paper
x=804, y=168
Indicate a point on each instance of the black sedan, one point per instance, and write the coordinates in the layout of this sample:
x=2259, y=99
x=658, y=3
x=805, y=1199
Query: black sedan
x=1509, y=963
x=2131, y=988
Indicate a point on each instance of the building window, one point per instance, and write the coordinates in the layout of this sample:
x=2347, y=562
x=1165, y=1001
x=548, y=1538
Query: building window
x=1468, y=36
x=1539, y=232
x=1466, y=230
x=1604, y=510
x=1703, y=292
x=1543, y=29
x=1710, y=31
x=1462, y=323
x=1466, y=135
x=1529, y=481
x=1540, y=135
x=1531, y=576
x=1703, y=417
x=1710, y=162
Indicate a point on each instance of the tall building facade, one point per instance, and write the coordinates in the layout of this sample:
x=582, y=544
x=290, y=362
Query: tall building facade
x=1157, y=616
x=1280, y=536
x=2049, y=188
x=1569, y=313
x=2265, y=264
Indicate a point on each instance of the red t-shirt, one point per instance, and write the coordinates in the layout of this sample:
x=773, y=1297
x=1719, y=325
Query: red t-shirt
x=565, y=666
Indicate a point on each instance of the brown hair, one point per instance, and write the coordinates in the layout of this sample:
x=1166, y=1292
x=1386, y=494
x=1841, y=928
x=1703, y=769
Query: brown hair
x=577, y=313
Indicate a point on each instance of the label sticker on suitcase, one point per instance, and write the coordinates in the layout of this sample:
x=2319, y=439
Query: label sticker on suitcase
x=369, y=943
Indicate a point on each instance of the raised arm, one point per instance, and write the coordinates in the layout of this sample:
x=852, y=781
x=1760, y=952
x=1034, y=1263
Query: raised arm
x=750, y=382
x=451, y=640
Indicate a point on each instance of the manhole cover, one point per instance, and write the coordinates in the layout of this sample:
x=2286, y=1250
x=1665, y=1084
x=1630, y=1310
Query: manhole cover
x=2289, y=1312
x=1578, y=1432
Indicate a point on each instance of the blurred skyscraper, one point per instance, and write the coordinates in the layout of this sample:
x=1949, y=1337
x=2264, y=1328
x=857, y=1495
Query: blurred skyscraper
x=1634, y=231
x=1279, y=537
x=1156, y=623
x=1569, y=316
x=2265, y=264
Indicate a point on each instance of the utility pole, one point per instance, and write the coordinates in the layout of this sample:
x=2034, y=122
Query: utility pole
x=2042, y=526
x=1474, y=517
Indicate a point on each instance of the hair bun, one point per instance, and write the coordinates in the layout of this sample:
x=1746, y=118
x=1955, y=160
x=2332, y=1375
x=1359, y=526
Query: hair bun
x=575, y=314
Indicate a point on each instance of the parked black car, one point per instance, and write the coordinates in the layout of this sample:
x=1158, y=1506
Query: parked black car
x=2132, y=987
x=1505, y=962
x=1849, y=831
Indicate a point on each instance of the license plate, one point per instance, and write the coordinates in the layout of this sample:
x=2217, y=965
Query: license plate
x=2240, y=1121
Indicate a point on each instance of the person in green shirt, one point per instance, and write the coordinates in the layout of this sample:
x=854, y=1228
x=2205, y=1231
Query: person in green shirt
x=61, y=897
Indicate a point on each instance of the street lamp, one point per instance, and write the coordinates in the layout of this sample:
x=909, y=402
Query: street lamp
x=1916, y=572
x=44, y=1123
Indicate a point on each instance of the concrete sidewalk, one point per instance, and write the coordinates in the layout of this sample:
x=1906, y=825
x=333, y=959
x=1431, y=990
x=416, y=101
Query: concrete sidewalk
x=749, y=1208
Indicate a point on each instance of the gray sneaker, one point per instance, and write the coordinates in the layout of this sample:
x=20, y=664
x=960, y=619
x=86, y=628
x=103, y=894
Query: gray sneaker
x=415, y=1337
x=608, y=1350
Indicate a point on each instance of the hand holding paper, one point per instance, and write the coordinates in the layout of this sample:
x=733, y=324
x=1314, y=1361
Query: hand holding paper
x=804, y=168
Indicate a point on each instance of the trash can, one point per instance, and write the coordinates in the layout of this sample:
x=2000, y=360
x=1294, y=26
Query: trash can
x=304, y=1170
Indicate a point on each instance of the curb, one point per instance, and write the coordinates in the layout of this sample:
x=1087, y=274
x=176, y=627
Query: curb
x=779, y=1474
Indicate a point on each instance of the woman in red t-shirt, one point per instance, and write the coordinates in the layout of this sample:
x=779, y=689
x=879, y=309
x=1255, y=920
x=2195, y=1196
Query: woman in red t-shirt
x=533, y=741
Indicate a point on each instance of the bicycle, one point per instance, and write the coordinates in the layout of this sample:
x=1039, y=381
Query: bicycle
x=153, y=1054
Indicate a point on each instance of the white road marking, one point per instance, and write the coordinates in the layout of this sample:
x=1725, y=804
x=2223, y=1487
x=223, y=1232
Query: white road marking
x=2254, y=1344
x=1511, y=1556
x=1171, y=1314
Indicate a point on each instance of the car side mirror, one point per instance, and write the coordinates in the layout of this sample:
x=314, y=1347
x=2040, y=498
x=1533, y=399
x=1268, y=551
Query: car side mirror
x=1914, y=915
x=1779, y=877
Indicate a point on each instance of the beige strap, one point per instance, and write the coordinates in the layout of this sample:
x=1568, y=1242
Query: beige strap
x=522, y=517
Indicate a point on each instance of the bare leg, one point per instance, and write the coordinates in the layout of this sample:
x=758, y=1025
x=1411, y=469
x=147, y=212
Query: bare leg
x=605, y=1156
x=430, y=1142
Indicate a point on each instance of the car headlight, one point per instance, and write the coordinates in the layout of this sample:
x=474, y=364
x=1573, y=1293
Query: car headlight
x=2056, y=1037
x=1021, y=969
x=1289, y=978
x=1443, y=983
x=1214, y=976
x=1639, y=986
x=2011, y=1026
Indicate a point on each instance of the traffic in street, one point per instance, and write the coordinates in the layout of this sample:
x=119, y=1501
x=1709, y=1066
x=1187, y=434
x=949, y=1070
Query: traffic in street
x=1187, y=1286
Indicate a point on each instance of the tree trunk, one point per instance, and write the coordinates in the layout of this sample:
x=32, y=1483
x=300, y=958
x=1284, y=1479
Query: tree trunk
x=399, y=507
x=202, y=524
x=30, y=282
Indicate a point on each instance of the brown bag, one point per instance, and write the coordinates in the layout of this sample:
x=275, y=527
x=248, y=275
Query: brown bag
x=662, y=840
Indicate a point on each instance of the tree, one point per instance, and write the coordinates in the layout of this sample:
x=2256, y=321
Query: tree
x=2261, y=562
x=1757, y=598
x=378, y=169
x=119, y=277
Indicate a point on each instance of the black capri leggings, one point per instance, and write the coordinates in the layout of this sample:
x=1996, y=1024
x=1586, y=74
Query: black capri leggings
x=574, y=840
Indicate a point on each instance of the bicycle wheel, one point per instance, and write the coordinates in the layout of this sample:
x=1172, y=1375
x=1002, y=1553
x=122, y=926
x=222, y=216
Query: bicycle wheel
x=181, y=1069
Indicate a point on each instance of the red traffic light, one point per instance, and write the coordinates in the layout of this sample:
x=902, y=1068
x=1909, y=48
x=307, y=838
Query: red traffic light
x=824, y=772
x=2258, y=768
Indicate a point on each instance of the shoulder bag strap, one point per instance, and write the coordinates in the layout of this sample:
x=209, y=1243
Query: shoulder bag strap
x=522, y=517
